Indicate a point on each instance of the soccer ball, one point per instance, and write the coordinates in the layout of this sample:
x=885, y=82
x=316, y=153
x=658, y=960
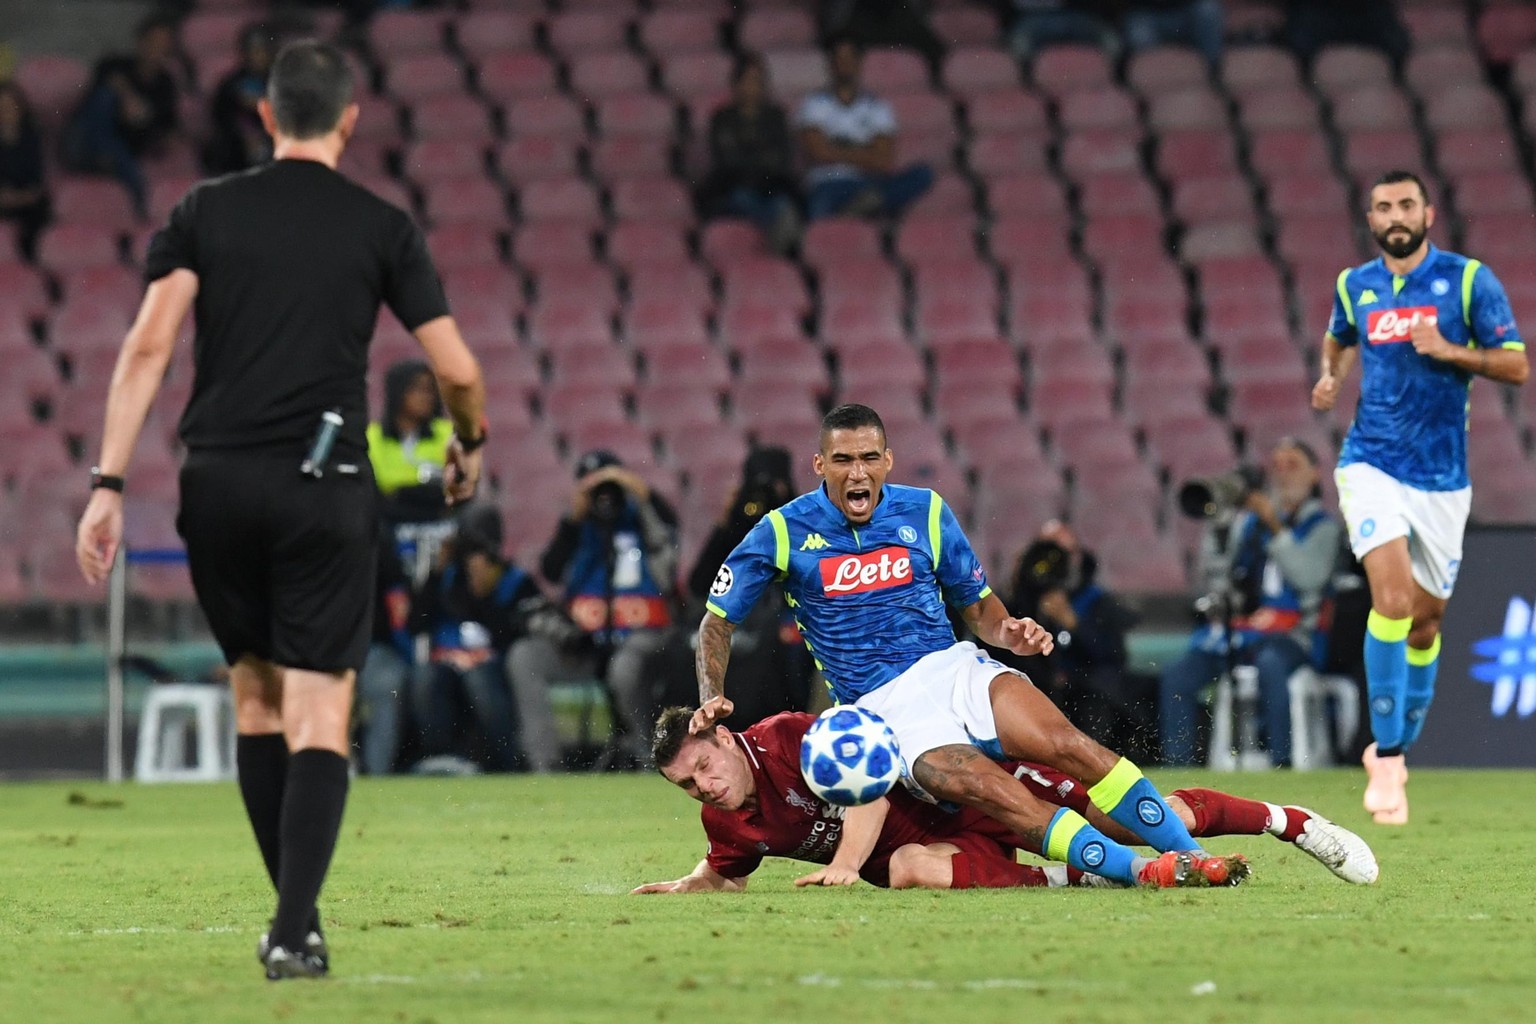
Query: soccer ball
x=849, y=756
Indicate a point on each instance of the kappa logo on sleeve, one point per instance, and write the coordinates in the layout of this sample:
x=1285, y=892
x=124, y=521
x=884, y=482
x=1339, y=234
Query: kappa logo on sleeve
x=873, y=570
x=1389, y=326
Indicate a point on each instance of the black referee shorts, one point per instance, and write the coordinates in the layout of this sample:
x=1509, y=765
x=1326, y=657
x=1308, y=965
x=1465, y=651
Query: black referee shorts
x=283, y=565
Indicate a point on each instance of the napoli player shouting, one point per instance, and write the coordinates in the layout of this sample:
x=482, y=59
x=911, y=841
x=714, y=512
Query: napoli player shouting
x=1421, y=322
x=867, y=569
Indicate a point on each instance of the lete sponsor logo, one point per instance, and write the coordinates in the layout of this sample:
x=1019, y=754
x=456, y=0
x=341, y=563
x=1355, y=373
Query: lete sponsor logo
x=873, y=570
x=1387, y=326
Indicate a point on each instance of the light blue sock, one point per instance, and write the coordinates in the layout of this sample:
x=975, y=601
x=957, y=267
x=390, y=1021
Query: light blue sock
x=1130, y=800
x=1422, y=668
x=1069, y=838
x=1386, y=677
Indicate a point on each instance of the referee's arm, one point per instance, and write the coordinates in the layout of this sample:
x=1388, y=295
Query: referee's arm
x=463, y=389
x=135, y=380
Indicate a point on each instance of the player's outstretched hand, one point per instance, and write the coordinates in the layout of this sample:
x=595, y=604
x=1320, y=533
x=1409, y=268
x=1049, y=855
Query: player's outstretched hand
x=1325, y=392
x=1025, y=637
x=654, y=887
x=99, y=534
x=832, y=874
x=710, y=712
x=461, y=474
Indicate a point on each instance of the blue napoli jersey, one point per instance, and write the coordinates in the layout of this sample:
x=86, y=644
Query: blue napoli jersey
x=870, y=600
x=1412, y=419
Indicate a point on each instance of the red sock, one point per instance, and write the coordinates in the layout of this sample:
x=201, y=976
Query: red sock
x=1222, y=814
x=1295, y=818
x=970, y=872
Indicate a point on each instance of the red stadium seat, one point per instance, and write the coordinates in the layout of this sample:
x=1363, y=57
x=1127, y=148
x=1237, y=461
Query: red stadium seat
x=773, y=28
x=1214, y=197
x=1283, y=107
x=756, y=323
x=695, y=74
x=1372, y=107
x=397, y=31
x=100, y=202
x=480, y=33
x=1006, y=110
x=637, y=114
x=533, y=157
x=587, y=285
x=839, y=238
x=454, y=116
x=700, y=367
x=875, y=365
x=1166, y=69
x=1275, y=154
x=1086, y=153
x=977, y=362
x=1429, y=70
x=551, y=327
x=1005, y=154
x=562, y=200
x=1118, y=194
x=1187, y=109
x=859, y=322
x=481, y=281
x=1063, y=69
x=1102, y=108
x=888, y=71
x=545, y=115
x=964, y=26
x=1479, y=149
x=657, y=324
x=857, y=281
x=438, y=159
x=1340, y=67
x=1503, y=30
x=676, y=31
x=1101, y=443
x=474, y=200
x=411, y=77
x=516, y=75
x=600, y=74
x=1471, y=105
x=72, y=246
x=552, y=244
x=789, y=363
x=635, y=244
x=765, y=280
x=573, y=32
x=942, y=321
x=1032, y=194
x=55, y=84
x=660, y=199
x=1190, y=153
x=464, y=243
x=936, y=239
x=974, y=70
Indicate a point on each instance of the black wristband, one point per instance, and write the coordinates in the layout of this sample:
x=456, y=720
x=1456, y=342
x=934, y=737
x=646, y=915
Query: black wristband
x=474, y=444
x=105, y=481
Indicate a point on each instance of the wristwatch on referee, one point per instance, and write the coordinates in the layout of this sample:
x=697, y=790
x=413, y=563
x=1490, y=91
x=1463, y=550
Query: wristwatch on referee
x=474, y=444
x=105, y=481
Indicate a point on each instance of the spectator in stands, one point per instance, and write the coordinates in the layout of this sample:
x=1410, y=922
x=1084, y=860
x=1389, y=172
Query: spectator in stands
x=1313, y=24
x=129, y=110
x=1197, y=23
x=408, y=444
x=1056, y=584
x=615, y=556
x=773, y=672
x=901, y=23
x=752, y=158
x=1271, y=565
x=236, y=138
x=23, y=194
x=473, y=610
x=849, y=140
x=381, y=683
x=1037, y=24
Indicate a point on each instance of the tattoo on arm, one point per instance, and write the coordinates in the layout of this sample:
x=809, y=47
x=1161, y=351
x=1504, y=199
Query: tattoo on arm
x=713, y=654
x=943, y=771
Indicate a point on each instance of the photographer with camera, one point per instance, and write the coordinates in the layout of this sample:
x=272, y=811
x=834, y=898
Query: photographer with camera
x=1267, y=558
x=472, y=610
x=773, y=660
x=1055, y=583
x=615, y=556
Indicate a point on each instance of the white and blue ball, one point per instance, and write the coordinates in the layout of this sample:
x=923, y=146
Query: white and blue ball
x=849, y=756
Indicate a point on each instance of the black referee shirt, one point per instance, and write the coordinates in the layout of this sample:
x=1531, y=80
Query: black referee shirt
x=293, y=261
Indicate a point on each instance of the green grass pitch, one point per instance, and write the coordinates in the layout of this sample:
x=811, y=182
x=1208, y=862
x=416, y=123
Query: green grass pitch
x=506, y=899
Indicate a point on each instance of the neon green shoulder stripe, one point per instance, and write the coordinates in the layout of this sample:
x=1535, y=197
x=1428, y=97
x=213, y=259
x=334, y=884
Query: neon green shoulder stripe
x=935, y=507
x=780, y=540
x=1468, y=272
x=1349, y=307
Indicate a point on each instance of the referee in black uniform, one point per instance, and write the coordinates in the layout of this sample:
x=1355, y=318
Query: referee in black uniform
x=286, y=266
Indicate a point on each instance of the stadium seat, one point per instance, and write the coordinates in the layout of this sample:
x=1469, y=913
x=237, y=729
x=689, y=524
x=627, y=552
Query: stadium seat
x=964, y=26
x=876, y=365
x=964, y=278
x=1492, y=192
x=555, y=243
x=1372, y=107
x=644, y=244
x=941, y=321
x=1467, y=106
x=976, y=362
x=1214, y=197
x=700, y=367
x=774, y=28
x=1460, y=152
x=1340, y=67
x=481, y=282
x=757, y=322
x=695, y=74
x=1503, y=30
x=971, y=71
x=657, y=199
x=1068, y=68
x=534, y=157
x=1190, y=153
x=638, y=114
x=1101, y=108
x=768, y=280
x=1087, y=153
x=600, y=74
x=577, y=285
x=1187, y=109
x=1117, y=195
x=1006, y=110
x=479, y=33
x=471, y=200
x=1000, y=154
x=437, y=159
x=1102, y=443
x=573, y=32
x=412, y=77
x=889, y=71
x=568, y=200
x=794, y=72
x=942, y=239
x=561, y=326
x=1433, y=24
x=395, y=31
x=451, y=116
x=1165, y=69
x=677, y=31
x=861, y=321
x=73, y=246
x=101, y=202
x=1248, y=69
x=656, y=324
x=1289, y=151
x=1431, y=69
x=834, y=239
x=1027, y=194
x=788, y=363
x=1284, y=107
x=545, y=115
x=55, y=84
x=516, y=75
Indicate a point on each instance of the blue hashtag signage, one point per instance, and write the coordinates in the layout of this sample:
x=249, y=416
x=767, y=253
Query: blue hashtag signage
x=1510, y=664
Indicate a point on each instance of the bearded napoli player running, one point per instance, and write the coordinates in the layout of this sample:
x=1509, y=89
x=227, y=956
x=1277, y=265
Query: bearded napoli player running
x=1429, y=321
x=757, y=805
x=868, y=569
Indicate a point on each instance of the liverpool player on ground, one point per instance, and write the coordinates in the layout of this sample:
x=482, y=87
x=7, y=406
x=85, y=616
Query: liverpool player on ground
x=756, y=805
